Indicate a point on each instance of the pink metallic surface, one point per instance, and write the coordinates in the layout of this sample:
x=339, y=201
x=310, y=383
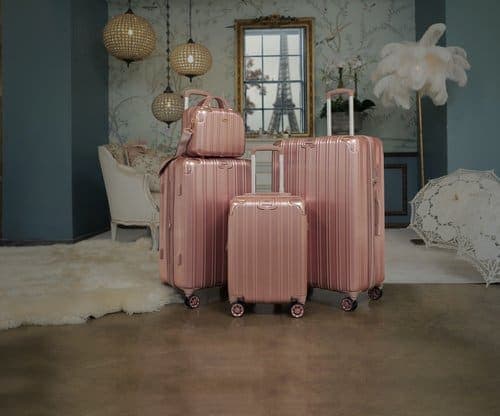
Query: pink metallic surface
x=267, y=249
x=340, y=91
x=194, y=208
x=341, y=179
x=215, y=131
x=267, y=246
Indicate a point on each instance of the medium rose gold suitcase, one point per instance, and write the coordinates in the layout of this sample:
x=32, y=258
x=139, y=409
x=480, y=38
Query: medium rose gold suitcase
x=212, y=131
x=194, y=205
x=267, y=249
x=341, y=179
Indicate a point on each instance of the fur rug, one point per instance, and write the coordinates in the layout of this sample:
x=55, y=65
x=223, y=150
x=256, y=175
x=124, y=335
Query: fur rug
x=66, y=284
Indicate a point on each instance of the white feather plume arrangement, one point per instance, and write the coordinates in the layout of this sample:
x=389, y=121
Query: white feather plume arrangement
x=419, y=66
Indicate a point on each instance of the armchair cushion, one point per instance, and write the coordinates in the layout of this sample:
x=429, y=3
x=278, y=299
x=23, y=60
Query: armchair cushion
x=150, y=163
x=117, y=152
x=133, y=151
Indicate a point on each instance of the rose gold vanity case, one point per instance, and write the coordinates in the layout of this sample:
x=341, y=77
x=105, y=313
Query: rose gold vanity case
x=190, y=109
x=211, y=131
x=267, y=249
x=194, y=205
x=341, y=179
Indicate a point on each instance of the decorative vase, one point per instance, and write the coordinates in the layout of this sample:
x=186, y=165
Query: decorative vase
x=340, y=122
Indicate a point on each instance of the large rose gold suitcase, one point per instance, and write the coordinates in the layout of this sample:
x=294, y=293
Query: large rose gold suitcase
x=267, y=249
x=194, y=205
x=341, y=179
x=211, y=131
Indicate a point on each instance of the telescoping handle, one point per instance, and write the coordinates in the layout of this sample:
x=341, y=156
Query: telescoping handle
x=333, y=93
x=193, y=91
x=270, y=148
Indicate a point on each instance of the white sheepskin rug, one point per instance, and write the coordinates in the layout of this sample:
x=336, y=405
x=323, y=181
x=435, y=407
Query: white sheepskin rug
x=67, y=284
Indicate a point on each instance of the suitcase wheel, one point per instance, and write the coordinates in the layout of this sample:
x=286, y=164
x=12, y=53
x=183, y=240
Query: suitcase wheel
x=348, y=304
x=297, y=310
x=375, y=293
x=237, y=309
x=192, y=301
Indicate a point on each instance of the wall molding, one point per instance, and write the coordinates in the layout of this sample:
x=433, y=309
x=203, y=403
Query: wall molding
x=21, y=243
x=404, y=189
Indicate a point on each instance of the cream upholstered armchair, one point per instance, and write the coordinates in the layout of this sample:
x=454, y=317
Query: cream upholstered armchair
x=131, y=201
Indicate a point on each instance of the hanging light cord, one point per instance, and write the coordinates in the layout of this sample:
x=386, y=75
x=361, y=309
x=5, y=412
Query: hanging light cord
x=190, y=36
x=168, y=43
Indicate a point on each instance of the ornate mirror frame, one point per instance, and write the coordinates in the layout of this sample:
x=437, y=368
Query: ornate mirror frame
x=274, y=22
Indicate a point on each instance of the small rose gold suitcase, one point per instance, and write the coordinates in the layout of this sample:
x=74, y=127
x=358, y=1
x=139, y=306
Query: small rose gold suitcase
x=267, y=249
x=341, y=178
x=194, y=205
x=211, y=131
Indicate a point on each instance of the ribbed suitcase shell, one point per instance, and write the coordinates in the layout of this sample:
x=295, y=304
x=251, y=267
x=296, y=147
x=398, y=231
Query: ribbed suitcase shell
x=194, y=207
x=267, y=249
x=216, y=132
x=341, y=179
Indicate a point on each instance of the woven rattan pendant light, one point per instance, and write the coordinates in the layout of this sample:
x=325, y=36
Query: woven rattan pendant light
x=191, y=59
x=129, y=37
x=168, y=106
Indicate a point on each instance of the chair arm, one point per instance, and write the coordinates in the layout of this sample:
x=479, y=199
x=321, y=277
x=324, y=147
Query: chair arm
x=128, y=193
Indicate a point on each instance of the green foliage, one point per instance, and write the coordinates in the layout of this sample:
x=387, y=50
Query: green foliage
x=341, y=105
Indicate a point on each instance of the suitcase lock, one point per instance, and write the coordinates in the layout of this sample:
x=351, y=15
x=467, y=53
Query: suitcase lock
x=267, y=205
x=308, y=145
x=224, y=164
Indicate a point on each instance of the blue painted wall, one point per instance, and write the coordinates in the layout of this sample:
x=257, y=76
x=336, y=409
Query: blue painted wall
x=428, y=12
x=473, y=122
x=37, y=120
x=55, y=107
x=89, y=90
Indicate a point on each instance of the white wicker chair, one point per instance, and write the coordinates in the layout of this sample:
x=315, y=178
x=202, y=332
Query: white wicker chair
x=130, y=200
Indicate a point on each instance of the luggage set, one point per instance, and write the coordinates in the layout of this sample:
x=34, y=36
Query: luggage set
x=326, y=231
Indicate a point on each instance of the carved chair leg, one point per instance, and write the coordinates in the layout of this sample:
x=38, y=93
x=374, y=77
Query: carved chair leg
x=154, y=236
x=114, y=227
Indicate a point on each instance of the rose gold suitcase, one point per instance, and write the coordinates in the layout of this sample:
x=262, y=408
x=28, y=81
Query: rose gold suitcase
x=212, y=131
x=194, y=205
x=341, y=179
x=267, y=249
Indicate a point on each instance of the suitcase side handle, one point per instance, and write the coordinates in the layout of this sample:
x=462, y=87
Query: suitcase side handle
x=333, y=93
x=270, y=148
x=193, y=91
x=378, y=231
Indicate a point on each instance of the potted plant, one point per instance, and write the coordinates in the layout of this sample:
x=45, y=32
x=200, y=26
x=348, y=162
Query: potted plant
x=340, y=106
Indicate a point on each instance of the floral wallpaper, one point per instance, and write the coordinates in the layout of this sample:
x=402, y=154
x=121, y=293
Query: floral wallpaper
x=344, y=30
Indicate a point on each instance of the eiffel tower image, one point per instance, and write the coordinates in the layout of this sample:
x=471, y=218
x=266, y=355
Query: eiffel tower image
x=283, y=105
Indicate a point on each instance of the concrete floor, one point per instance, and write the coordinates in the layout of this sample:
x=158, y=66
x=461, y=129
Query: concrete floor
x=420, y=350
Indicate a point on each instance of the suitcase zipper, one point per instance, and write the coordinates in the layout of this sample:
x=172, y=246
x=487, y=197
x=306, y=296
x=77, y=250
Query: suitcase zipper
x=373, y=231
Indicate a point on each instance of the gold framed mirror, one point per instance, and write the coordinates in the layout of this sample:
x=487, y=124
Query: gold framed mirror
x=275, y=75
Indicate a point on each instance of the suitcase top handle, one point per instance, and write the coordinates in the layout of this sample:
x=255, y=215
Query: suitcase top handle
x=193, y=91
x=221, y=102
x=333, y=93
x=270, y=148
